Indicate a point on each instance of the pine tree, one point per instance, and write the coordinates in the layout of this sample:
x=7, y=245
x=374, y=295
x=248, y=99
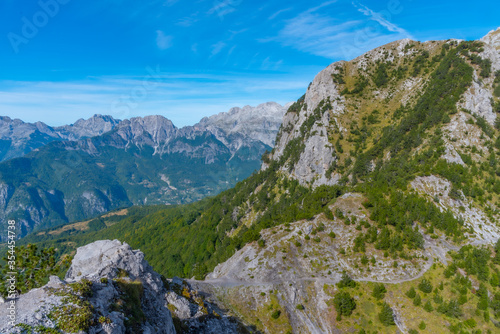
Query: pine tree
x=379, y=291
x=428, y=306
x=417, y=301
x=425, y=286
x=386, y=315
x=344, y=304
x=411, y=293
x=34, y=267
x=346, y=282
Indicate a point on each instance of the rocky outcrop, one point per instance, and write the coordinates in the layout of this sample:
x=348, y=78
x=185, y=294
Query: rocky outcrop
x=492, y=40
x=111, y=289
x=478, y=97
x=114, y=275
x=484, y=231
x=318, y=153
x=193, y=313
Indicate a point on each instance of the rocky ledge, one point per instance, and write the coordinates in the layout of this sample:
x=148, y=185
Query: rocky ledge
x=111, y=289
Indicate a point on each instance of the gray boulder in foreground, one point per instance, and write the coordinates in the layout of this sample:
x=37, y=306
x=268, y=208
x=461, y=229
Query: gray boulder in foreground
x=117, y=292
x=116, y=274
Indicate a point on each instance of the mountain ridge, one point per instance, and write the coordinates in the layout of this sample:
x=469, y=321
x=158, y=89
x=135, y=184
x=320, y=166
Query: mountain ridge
x=19, y=138
x=144, y=160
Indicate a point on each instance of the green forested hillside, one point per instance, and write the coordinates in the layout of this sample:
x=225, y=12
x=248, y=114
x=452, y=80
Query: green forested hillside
x=191, y=239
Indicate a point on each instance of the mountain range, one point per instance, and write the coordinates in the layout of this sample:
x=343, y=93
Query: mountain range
x=18, y=138
x=377, y=210
x=81, y=170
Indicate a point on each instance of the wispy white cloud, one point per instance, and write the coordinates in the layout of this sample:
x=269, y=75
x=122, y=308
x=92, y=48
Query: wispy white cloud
x=188, y=21
x=322, y=5
x=170, y=3
x=231, y=50
x=269, y=64
x=194, y=48
x=315, y=32
x=380, y=19
x=182, y=97
x=224, y=7
x=217, y=48
x=163, y=41
x=273, y=16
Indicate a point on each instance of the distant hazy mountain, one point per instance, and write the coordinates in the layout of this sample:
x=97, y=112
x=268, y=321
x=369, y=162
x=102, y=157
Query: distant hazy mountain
x=259, y=123
x=18, y=138
x=119, y=163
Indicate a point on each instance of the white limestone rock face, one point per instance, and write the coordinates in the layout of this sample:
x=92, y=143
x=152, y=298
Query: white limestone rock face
x=318, y=154
x=437, y=190
x=314, y=162
x=102, y=258
x=477, y=99
x=492, y=49
x=6, y=192
x=259, y=123
x=33, y=307
x=459, y=133
x=451, y=155
x=195, y=313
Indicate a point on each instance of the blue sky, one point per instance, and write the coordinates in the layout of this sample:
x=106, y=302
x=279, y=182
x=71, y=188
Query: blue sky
x=62, y=60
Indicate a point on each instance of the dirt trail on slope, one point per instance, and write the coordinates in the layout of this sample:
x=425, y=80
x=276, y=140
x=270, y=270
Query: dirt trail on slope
x=435, y=249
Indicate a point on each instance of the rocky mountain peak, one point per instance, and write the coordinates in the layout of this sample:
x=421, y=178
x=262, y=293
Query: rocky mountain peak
x=96, y=119
x=94, y=126
x=5, y=119
x=258, y=123
x=151, y=130
x=492, y=38
x=337, y=101
x=104, y=258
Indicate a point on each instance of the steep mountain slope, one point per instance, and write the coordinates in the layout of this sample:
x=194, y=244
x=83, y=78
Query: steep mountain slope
x=410, y=130
x=386, y=172
x=139, y=161
x=18, y=138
